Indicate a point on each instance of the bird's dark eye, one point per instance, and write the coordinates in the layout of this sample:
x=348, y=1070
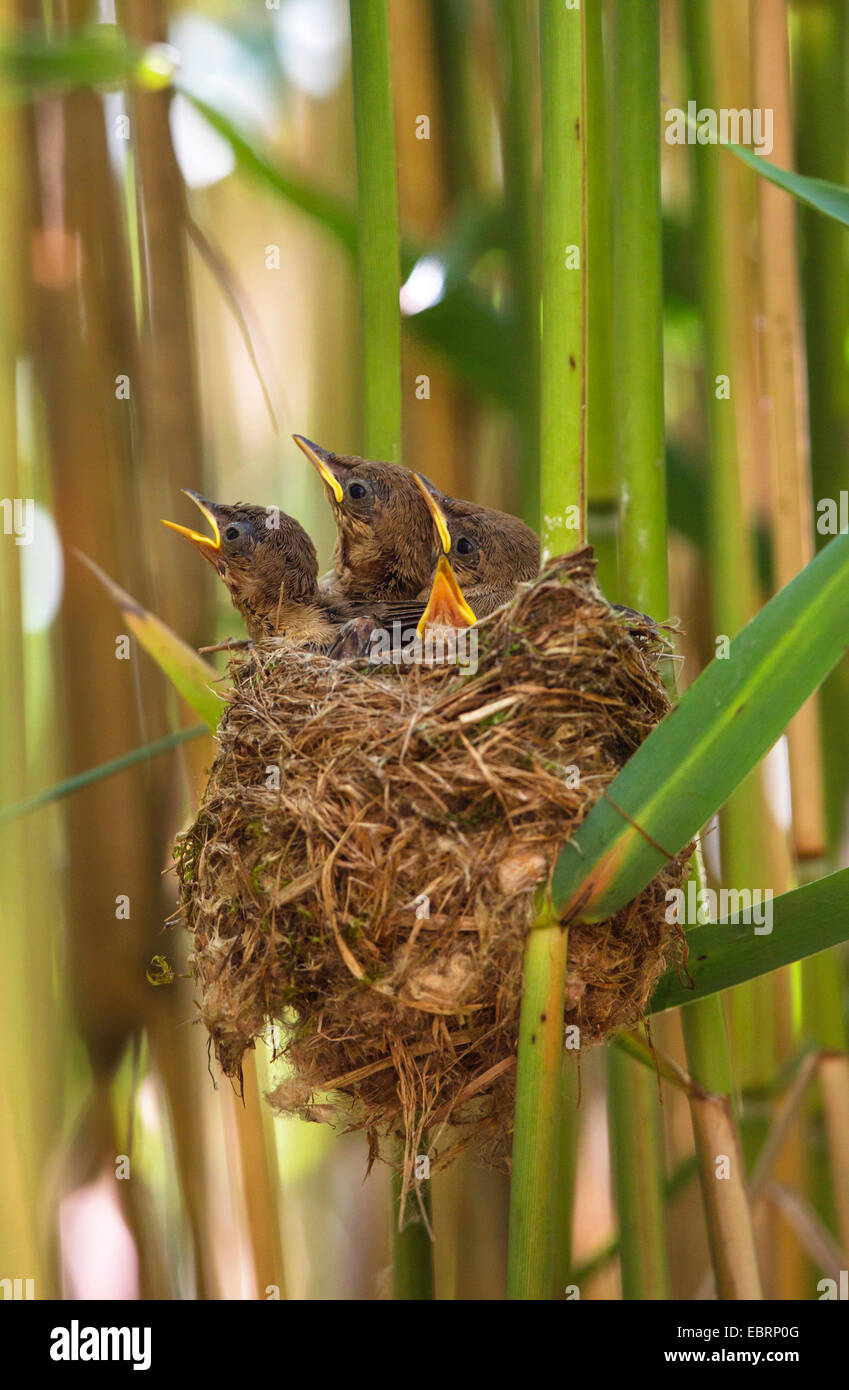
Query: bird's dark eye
x=356, y=491
x=237, y=537
x=465, y=546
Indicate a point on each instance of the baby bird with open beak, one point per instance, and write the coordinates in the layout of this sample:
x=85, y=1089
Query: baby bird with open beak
x=447, y=608
x=387, y=547
x=269, y=565
x=444, y=611
x=490, y=551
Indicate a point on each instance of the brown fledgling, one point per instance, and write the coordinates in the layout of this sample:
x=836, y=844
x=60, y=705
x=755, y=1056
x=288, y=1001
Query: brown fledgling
x=269, y=565
x=386, y=549
x=445, y=610
x=490, y=551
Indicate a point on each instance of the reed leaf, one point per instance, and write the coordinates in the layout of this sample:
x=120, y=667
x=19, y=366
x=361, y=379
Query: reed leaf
x=189, y=673
x=805, y=921
x=725, y=723
x=95, y=774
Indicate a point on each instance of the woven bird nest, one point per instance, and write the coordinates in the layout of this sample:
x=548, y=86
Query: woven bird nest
x=363, y=865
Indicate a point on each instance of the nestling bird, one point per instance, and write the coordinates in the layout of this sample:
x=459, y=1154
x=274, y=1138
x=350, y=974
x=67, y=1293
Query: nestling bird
x=386, y=548
x=269, y=565
x=490, y=551
x=445, y=608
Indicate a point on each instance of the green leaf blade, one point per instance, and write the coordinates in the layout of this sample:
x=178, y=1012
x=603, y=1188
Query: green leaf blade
x=825, y=197
x=727, y=720
x=191, y=676
x=727, y=953
x=97, y=774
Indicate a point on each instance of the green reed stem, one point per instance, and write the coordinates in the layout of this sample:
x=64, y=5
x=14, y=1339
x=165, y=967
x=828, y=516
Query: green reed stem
x=727, y=1212
x=412, y=1247
x=531, y=1253
x=720, y=218
x=821, y=107
x=637, y=300
x=638, y=394
x=563, y=360
x=636, y=1160
x=379, y=254
x=600, y=439
x=380, y=278
x=522, y=212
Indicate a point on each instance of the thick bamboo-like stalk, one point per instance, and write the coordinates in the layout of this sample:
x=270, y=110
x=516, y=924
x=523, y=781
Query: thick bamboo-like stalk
x=567, y=1172
x=603, y=502
x=530, y=1257
x=600, y=437
x=636, y=1162
x=453, y=25
x=258, y=1182
x=563, y=380
x=785, y=390
x=637, y=302
x=785, y=384
x=522, y=207
x=834, y=1087
x=822, y=113
x=722, y=219
x=638, y=398
x=538, y=1081
x=412, y=1246
x=26, y=1106
x=84, y=350
x=166, y=397
x=437, y=430
x=563, y=356
x=820, y=56
x=379, y=278
x=378, y=247
x=726, y=1204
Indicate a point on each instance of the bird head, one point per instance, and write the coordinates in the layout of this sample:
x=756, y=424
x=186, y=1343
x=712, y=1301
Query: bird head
x=264, y=557
x=387, y=548
x=446, y=606
x=488, y=549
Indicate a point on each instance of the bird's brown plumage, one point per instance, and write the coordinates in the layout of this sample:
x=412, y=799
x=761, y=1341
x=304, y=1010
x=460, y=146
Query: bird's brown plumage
x=491, y=551
x=269, y=565
x=388, y=547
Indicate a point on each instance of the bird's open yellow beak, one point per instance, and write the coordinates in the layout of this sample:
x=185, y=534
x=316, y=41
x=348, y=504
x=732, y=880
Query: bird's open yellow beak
x=206, y=544
x=446, y=606
x=436, y=512
x=318, y=457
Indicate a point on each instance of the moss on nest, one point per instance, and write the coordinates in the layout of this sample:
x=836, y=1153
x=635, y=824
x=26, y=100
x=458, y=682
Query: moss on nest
x=301, y=890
